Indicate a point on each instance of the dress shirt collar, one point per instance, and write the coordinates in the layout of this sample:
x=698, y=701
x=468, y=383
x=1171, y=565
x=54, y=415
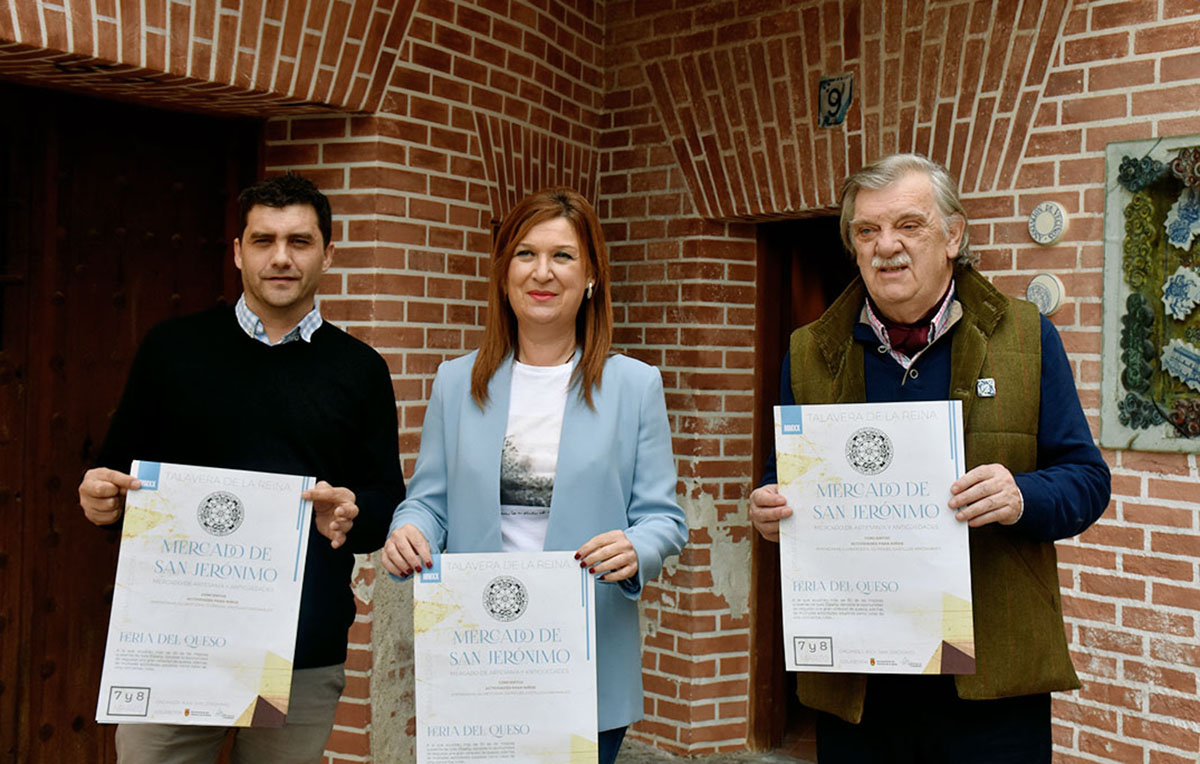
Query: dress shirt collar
x=941, y=321
x=253, y=325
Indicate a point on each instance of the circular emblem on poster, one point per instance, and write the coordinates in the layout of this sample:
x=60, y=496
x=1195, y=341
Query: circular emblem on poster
x=505, y=598
x=869, y=450
x=221, y=513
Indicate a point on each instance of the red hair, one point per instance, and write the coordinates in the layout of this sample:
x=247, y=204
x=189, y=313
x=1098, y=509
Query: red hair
x=593, y=323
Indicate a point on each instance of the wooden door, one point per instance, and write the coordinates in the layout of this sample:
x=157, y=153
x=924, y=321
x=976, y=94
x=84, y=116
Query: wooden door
x=802, y=268
x=17, y=239
x=116, y=217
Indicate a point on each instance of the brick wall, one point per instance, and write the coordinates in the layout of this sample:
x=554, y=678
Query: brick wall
x=685, y=302
x=255, y=57
x=1131, y=585
x=690, y=121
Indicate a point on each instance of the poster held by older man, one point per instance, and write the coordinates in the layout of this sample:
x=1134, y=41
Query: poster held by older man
x=207, y=597
x=875, y=569
x=505, y=652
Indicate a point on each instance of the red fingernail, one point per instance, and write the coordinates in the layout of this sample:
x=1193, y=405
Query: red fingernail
x=577, y=555
x=591, y=570
x=429, y=565
x=583, y=564
x=406, y=572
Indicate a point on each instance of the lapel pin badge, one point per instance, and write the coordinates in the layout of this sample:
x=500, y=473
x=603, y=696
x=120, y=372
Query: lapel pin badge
x=985, y=387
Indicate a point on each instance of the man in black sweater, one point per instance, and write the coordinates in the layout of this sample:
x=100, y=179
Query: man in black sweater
x=267, y=386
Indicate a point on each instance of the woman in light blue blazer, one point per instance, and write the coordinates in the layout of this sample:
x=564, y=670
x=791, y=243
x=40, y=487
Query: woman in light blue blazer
x=544, y=439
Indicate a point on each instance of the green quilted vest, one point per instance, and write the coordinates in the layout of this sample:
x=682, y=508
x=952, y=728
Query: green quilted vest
x=1020, y=643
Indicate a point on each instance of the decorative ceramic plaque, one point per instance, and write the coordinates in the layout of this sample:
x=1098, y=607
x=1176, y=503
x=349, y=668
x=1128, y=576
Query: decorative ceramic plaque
x=1047, y=223
x=1046, y=291
x=1150, y=384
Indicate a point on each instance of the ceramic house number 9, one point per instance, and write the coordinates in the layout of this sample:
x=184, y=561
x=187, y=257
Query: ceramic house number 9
x=835, y=95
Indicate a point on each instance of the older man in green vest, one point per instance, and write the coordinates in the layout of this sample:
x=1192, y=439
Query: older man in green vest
x=921, y=324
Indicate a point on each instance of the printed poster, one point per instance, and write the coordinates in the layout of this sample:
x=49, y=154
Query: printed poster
x=505, y=659
x=207, y=597
x=875, y=570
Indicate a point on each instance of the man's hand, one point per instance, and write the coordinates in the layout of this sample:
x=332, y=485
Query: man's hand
x=334, y=509
x=102, y=494
x=406, y=551
x=609, y=555
x=767, y=508
x=986, y=494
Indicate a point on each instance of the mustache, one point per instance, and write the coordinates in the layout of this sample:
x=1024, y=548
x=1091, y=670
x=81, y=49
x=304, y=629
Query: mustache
x=895, y=261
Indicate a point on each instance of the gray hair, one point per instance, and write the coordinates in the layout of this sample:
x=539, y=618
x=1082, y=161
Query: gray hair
x=885, y=172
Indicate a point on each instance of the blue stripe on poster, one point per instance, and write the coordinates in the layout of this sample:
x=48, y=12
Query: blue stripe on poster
x=791, y=420
x=301, y=516
x=147, y=472
x=585, y=601
x=954, y=454
x=432, y=575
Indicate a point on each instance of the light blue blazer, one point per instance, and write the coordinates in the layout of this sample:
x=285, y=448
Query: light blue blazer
x=615, y=471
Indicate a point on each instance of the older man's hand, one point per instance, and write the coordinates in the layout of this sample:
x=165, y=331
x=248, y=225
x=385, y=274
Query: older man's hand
x=987, y=494
x=767, y=508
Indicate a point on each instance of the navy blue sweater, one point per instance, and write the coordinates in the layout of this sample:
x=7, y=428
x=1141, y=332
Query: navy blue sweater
x=1070, y=488
x=202, y=392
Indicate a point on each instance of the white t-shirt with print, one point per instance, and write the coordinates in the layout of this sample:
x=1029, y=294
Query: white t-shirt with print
x=530, y=456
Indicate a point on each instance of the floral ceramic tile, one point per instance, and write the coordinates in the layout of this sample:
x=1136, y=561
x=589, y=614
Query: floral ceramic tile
x=1183, y=220
x=1186, y=166
x=1181, y=293
x=1137, y=173
x=1182, y=360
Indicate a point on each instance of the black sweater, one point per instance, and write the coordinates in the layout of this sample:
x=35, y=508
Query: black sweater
x=202, y=392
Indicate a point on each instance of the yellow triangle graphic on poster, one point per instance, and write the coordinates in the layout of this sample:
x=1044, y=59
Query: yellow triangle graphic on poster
x=958, y=623
x=274, y=688
x=583, y=751
x=792, y=466
x=247, y=715
x=138, y=520
x=934, y=666
x=275, y=684
x=427, y=614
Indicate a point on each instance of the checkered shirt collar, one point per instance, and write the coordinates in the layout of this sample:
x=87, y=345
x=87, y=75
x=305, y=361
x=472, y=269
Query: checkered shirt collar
x=253, y=325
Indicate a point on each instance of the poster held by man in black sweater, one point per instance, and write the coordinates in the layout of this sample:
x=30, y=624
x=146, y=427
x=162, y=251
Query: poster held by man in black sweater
x=268, y=386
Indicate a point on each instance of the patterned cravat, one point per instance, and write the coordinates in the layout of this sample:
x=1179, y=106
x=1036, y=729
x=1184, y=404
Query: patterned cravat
x=909, y=339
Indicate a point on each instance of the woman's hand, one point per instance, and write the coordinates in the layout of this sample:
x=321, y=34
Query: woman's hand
x=610, y=555
x=405, y=551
